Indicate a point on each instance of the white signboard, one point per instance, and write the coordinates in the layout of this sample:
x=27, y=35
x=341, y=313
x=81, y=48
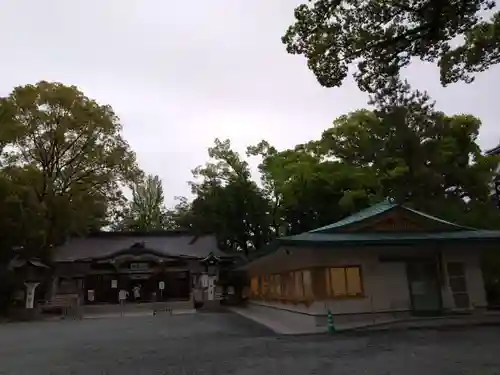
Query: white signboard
x=211, y=288
x=122, y=295
x=90, y=295
x=204, y=281
x=161, y=285
x=114, y=284
x=211, y=293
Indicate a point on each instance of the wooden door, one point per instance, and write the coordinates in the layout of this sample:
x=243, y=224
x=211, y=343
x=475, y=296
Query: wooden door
x=425, y=290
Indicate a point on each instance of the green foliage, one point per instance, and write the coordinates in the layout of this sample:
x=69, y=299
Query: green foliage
x=308, y=190
x=228, y=202
x=381, y=37
x=181, y=216
x=146, y=211
x=404, y=149
x=64, y=162
x=419, y=154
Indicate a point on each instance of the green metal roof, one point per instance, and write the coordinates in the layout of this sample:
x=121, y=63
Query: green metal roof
x=371, y=211
x=391, y=238
x=423, y=214
x=332, y=236
x=376, y=210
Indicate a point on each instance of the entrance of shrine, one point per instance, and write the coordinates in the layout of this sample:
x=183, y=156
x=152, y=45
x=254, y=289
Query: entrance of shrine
x=144, y=287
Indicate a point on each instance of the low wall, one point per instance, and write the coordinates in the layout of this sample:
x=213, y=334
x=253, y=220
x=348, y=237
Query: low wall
x=287, y=318
x=316, y=316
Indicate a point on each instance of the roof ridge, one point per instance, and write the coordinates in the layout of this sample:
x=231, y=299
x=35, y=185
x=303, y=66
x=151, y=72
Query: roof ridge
x=370, y=211
x=432, y=217
x=378, y=209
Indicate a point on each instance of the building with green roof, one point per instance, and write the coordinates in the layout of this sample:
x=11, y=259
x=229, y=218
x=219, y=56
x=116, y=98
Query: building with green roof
x=384, y=263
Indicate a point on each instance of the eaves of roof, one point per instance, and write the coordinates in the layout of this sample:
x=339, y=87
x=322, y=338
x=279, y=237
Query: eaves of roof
x=326, y=239
x=493, y=151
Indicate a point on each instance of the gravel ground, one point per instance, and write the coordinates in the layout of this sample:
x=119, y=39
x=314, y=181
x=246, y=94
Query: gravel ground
x=229, y=344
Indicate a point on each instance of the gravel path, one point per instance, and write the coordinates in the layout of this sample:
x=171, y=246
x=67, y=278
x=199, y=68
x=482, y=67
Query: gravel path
x=229, y=344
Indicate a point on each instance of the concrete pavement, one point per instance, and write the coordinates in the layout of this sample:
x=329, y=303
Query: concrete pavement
x=227, y=344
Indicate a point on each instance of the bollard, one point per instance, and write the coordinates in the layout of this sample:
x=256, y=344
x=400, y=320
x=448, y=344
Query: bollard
x=329, y=320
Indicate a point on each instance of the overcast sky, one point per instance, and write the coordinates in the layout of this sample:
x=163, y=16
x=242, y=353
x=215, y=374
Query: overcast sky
x=181, y=73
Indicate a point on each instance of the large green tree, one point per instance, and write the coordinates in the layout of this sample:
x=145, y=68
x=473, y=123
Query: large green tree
x=22, y=220
x=307, y=191
x=403, y=148
x=382, y=37
x=146, y=211
x=420, y=155
x=65, y=155
x=228, y=202
x=181, y=216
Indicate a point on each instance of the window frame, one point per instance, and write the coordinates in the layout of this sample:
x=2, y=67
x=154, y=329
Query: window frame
x=281, y=286
x=329, y=289
x=286, y=287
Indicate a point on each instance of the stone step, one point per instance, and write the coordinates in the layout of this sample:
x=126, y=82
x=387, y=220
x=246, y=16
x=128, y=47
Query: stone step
x=138, y=307
x=212, y=306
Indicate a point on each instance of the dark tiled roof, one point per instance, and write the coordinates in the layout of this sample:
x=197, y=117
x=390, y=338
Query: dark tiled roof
x=19, y=262
x=104, y=244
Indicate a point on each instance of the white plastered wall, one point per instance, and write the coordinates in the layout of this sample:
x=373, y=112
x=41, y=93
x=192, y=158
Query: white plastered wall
x=385, y=283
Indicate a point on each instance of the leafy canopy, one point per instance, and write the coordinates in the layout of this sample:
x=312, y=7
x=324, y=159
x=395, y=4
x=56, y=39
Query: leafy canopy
x=65, y=155
x=382, y=36
x=404, y=148
x=146, y=211
x=307, y=190
x=420, y=156
x=228, y=202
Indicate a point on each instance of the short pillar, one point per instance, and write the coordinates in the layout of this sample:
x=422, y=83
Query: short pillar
x=30, y=294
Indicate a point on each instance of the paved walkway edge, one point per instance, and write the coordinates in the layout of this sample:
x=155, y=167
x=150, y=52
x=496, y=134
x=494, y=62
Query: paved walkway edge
x=138, y=313
x=437, y=323
x=275, y=326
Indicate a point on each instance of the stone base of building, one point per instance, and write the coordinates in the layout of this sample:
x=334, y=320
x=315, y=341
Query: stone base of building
x=290, y=319
x=315, y=318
